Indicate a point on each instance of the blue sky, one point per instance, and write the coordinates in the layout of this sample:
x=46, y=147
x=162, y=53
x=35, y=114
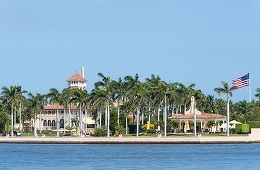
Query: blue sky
x=43, y=43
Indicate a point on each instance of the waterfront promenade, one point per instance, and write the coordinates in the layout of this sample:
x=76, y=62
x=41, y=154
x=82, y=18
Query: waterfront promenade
x=129, y=140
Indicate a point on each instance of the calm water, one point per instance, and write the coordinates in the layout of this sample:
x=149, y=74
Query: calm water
x=172, y=156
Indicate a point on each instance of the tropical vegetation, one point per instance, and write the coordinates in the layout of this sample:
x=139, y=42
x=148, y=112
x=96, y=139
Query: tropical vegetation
x=117, y=104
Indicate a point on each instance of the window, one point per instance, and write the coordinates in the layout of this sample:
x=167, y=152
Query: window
x=45, y=123
x=62, y=123
x=53, y=123
x=49, y=123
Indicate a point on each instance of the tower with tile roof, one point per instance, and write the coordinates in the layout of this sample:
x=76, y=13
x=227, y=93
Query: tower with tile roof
x=78, y=80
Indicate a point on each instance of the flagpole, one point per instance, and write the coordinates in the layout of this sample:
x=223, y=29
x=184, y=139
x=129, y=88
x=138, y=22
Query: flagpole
x=250, y=96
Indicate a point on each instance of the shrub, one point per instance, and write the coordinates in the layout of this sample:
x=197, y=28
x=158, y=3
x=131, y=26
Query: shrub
x=239, y=128
x=242, y=128
x=144, y=127
x=245, y=128
x=254, y=124
x=119, y=130
x=100, y=131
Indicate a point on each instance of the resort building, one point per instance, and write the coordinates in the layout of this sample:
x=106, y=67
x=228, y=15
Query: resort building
x=187, y=119
x=66, y=117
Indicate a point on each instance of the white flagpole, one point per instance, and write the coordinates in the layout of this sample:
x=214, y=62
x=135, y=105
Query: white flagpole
x=250, y=96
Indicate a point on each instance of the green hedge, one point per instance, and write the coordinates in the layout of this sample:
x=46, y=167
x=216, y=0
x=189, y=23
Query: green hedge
x=242, y=128
x=254, y=124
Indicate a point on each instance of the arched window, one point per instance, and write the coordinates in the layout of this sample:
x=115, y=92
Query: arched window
x=49, y=123
x=62, y=123
x=45, y=123
x=53, y=123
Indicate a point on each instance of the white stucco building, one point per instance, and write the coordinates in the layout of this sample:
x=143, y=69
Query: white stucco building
x=66, y=117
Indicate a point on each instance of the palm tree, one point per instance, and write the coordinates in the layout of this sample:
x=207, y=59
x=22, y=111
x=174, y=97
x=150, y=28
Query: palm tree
x=257, y=93
x=104, y=91
x=228, y=91
x=155, y=97
x=66, y=96
x=104, y=95
x=185, y=93
x=36, y=106
x=10, y=97
x=105, y=85
x=55, y=98
x=119, y=89
x=79, y=98
x=165, y=91
x=138, y=95
x=4, y=119
x=20, y=100
x=97, y=103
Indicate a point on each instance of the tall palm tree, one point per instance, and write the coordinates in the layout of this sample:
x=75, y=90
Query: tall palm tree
x=97, y=103
x=66, y=96
x=138, y=95
x=104, y=95
x=228, y=91
x=152, y=84
x=164, y=91
x=104, y=91
x=79, y=97
x=104, y=84
x=10, y=97
x=36, y=106
x=119, y=89
x=185, y=93
x=20, y=100
x=55, y=98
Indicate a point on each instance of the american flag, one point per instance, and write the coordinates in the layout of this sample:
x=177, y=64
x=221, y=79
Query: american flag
x=241, y=81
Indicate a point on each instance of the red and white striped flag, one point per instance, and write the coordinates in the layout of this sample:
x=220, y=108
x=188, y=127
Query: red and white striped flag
x=241, y=81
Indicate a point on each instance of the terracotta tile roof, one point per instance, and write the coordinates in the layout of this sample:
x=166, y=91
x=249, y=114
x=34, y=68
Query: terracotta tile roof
x=52, y=107
x=207, y=116
x=55, y=106
x=77, y=77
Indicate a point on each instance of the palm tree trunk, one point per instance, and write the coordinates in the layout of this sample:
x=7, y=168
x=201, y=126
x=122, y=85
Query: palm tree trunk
x=57, y=123
x=40, y=122
x=20, y=117
x=12, y=122
x=80, y=122
x=137, y=120
x=64, y=128
x=69, y=117
x=100, y=117
x=142, y=117
x=227, y=115
x=126, y=124
x=106, y=114
x=108, y=121
x=165, y=117
x=158, y=119
x=15, y=116
x=118, y=113
x=86, y=123
x=35, y=129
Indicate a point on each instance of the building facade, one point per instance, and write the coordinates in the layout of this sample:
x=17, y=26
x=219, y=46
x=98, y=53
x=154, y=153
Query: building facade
x=55, y=116
x=188, y=118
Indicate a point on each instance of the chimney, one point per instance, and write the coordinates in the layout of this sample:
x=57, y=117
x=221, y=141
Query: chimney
x=82, y=72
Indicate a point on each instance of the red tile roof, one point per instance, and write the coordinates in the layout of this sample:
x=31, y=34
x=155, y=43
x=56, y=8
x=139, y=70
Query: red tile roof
x=55, y=106
x=77, y=77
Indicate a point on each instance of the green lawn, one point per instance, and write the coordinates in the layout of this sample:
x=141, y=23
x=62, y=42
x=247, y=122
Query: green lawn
x=184, y=135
